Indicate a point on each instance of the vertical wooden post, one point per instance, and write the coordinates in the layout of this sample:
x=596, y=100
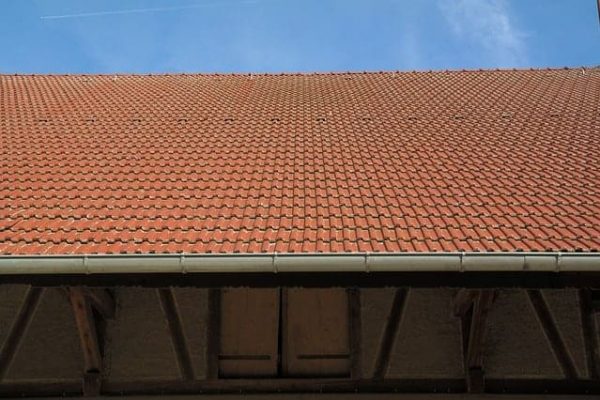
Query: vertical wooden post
x=590, y=333
x=473, y=307
x=355, y=327
x=213, y=333
x=477, y=332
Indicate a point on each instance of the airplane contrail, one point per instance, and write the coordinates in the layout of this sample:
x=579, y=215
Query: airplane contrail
x=146, y=10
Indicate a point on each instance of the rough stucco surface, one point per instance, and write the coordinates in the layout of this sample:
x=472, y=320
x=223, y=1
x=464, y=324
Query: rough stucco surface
x=11, y=299
x=193, y=310
x=564, y=306
x=375, y=308
x=139, y=342
x=516, y=345
x=50, y=347
x=429, y=341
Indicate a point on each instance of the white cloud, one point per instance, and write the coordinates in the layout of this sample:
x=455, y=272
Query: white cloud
x=488, y=24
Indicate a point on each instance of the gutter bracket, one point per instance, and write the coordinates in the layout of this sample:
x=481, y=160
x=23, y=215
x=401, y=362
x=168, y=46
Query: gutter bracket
x=182, y=264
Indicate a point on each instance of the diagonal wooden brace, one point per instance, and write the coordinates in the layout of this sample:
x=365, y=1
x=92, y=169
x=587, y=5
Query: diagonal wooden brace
x=82, y=301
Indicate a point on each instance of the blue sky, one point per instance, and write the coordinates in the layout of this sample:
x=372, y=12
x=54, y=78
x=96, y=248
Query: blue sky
x=127, y=36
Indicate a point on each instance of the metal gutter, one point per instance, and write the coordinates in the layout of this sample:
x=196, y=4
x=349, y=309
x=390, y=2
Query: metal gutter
x=298, y=262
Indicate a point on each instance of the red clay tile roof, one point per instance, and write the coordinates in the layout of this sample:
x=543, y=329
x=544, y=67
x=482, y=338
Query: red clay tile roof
x=378, y=162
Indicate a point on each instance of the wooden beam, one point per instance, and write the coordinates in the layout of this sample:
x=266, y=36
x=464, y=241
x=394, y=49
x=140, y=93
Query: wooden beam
x=102, y=301
x=213, y=334
x=552, y=333
x=92, y=383
x=590, y=333
x=410, y=388
x=389, y=334
x=18, y=328
x=427, y=279
x=474, y=332
x=355, y=332
x=178, y=339
x=88, y=338
x=594, y=295
x=463, y=301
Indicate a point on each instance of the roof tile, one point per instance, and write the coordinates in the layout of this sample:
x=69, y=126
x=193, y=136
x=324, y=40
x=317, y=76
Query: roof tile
x=488, y=161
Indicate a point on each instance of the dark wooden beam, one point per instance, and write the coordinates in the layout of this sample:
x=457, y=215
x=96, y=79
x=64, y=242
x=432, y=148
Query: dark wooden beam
x=178, y=339
x=430, y=279
x=552, y=333
x=594, y=295
x=313, y=387
x=102, y=301
x=18, y=328
x=463, y=301
x=354, y=306
x=545, y=387
x=474, y=332
x=293, y=385
x=213, y=334
x=92, y=383
x=389, y=334
x=590, y=333
x=88, y=338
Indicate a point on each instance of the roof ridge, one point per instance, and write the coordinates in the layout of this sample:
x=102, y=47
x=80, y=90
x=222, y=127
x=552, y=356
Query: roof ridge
x=299, y=73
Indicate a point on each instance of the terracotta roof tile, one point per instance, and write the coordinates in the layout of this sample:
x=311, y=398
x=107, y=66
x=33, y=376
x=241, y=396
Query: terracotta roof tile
x=435, y=161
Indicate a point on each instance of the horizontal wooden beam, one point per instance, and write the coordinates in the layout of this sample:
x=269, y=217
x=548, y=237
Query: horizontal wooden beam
x=354, y=396
x=476, y=280
x=273, y=386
